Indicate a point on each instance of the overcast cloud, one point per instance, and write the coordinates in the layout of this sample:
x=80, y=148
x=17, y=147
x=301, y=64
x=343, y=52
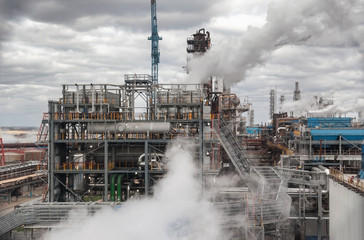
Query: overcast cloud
x=46, y=43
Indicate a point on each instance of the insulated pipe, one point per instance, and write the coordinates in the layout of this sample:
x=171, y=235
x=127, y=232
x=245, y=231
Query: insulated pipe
x=119, y=187
x=112, y=188
x=130, y=127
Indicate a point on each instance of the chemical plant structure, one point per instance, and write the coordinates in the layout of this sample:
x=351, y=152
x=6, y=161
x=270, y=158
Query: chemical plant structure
x=107, y=143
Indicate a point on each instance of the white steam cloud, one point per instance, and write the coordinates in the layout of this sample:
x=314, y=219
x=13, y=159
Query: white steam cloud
x=310, y=106
x=176, y=211
x=338, y=23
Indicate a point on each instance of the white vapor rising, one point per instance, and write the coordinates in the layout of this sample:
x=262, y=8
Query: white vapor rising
x=308, y=106
x=334, y=23
x=176, y=211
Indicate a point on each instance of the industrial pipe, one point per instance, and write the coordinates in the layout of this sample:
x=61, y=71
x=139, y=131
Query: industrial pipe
x=119, y=187
x=130, y=127
x=77, y=99
x=93, y=98
x=112, y=188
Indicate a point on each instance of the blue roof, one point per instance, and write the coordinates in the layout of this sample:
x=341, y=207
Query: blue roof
x=253, y=130
x=329, y=122
x=333, y=134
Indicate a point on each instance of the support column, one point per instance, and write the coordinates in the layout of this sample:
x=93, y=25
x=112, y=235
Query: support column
x=106, y=176
x=146, y=160
x=113, y=153
x=319, y=212
x=50, y=153
x=200, y=140
x=310, y=148
x=340, y=145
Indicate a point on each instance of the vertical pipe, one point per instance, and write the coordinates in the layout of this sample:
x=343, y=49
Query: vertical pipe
x=50, y=153
x=340, y=144
x=112, y=188
x=200, y=139
x=119, y=187
x=146, y=159
x=77, y=99
x=101, y=97
x=106, y=171
x=93, y=98
x=319, y=212
x=310, y=148
x=64, y=93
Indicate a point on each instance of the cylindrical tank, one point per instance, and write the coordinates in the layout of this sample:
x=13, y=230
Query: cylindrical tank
x=78, y=179
x=130, y=127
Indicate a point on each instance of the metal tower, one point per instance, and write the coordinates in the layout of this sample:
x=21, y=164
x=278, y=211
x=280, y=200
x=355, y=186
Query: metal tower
x=155, y=42
x=297, y=93
x=272, y=102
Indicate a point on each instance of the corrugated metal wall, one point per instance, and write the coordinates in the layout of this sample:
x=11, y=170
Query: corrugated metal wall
x=346, y=213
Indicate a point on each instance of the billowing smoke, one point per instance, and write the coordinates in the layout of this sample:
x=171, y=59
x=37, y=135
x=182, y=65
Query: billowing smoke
x=176, y=211
x=337, y=23
x=323, y=106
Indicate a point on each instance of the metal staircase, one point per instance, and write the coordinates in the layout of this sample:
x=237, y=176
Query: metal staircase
x=10, y=221
x=232, y=148
x=49, y=214
x=42, y=136
x=267, y=202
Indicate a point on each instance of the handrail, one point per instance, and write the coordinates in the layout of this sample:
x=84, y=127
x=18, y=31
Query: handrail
x=341, y=178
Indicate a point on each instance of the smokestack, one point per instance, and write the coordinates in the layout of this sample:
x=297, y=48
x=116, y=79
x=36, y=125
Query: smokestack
x=272, y=103
x=297, y=93
x=361, y=116
x=282, y=99
x=251, y=117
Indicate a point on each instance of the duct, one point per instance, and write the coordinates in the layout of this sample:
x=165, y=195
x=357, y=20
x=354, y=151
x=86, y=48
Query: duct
x=119, y=187
x=112, y=188
x=130, y=127
x=154, y=158
x=326, y=170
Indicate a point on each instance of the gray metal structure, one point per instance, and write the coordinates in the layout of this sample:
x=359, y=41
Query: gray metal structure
x=96, y=131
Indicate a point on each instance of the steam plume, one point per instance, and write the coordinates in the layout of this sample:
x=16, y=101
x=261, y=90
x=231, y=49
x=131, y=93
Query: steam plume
x=322, y=23
x=175, y=212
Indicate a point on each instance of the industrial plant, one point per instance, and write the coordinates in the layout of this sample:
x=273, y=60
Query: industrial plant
x=297, y=177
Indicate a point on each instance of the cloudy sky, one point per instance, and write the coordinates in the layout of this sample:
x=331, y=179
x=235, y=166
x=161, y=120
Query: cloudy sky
x=257, y=45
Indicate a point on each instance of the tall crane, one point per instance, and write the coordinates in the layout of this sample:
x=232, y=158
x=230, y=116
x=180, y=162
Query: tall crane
x=155, y=42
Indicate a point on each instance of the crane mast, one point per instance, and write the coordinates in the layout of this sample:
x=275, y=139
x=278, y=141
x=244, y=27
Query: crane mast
x=155, y=42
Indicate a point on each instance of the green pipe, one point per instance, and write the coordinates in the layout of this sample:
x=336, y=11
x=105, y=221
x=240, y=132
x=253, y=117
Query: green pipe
x=119, y=187
x=112, y=188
